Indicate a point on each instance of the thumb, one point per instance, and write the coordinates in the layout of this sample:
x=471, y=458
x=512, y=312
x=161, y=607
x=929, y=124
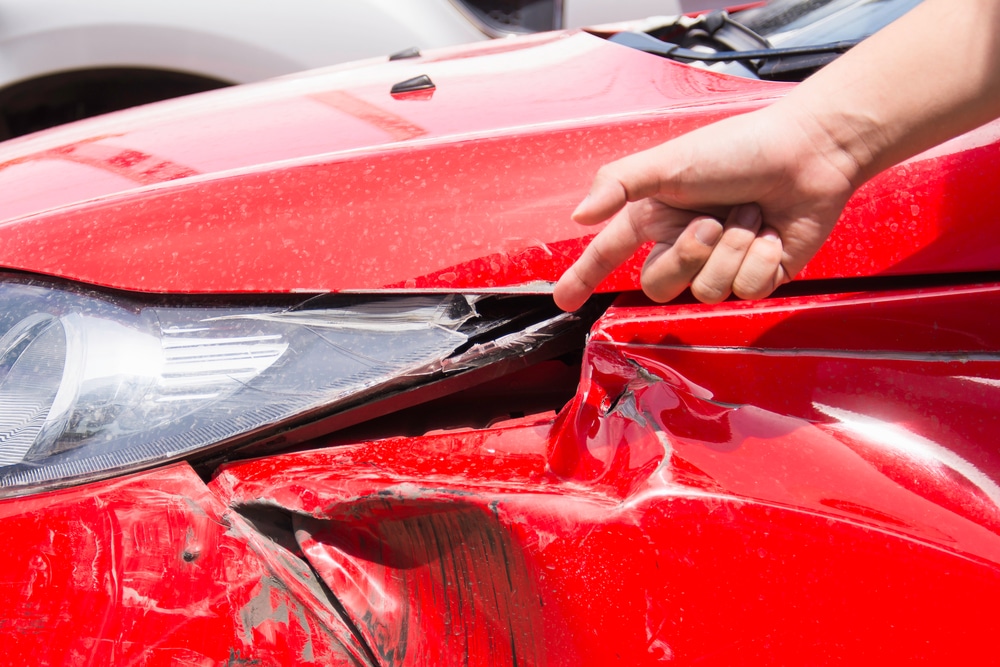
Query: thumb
x=630, y=179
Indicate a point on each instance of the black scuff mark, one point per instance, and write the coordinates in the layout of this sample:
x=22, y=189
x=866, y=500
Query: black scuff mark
x=237, y=660
x=276, y=526
x=308, y=651
x=453, y=571
x=258, y=610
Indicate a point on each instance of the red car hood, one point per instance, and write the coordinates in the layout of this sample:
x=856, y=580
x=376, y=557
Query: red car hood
x=326, y=181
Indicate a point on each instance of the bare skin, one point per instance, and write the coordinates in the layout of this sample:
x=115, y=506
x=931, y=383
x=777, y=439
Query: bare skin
x=740, y=206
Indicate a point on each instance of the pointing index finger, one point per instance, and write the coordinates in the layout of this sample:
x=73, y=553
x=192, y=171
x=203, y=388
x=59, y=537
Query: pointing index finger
x=611, y=247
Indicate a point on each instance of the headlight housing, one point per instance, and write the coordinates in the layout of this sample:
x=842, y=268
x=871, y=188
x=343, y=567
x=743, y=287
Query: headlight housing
x=95, y=384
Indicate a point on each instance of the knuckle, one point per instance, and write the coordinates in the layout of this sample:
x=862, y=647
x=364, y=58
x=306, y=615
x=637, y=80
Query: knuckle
x=660, y=289
x=748, y=291
x=752, y=285
x=706, y=292
x=583, y=278
x=661, y=284
x=737, y=240
x=608, y=175
x=593, y=267
x=691, y=255
x=601, y=261
x=759, y=274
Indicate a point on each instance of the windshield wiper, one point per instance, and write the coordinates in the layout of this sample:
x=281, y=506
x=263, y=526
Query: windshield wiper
x=766, y=63
x=650, y=44
x=719, y=38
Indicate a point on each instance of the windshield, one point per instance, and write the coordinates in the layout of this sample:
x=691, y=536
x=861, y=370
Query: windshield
x=795, y=23
x=784, y=40
x=801, y=23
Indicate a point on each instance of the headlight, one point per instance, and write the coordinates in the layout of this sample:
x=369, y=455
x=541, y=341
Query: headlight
x=93, y=385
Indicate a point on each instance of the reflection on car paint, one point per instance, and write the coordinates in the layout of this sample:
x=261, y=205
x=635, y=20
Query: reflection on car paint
x=706, y=476
x=807, y=479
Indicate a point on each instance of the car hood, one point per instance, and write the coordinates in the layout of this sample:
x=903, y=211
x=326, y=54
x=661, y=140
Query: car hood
x=330, y=181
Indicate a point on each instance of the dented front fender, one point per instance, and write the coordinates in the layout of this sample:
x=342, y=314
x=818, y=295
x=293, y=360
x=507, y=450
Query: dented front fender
x=717, y=492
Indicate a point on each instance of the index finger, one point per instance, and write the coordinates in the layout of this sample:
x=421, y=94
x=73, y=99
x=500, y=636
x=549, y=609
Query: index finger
x=614, y=245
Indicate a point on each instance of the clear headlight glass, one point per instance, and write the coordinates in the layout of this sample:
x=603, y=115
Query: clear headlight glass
x=93, y=384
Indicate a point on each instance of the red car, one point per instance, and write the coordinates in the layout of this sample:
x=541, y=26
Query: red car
x=281, y=381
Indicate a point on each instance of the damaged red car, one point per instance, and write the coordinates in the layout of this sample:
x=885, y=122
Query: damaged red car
x=281, y=380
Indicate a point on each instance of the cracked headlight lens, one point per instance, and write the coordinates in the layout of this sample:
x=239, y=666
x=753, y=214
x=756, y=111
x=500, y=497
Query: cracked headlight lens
x=93, y=385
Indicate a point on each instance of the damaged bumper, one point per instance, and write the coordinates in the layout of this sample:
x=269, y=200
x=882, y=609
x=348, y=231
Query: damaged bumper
x=716, y=492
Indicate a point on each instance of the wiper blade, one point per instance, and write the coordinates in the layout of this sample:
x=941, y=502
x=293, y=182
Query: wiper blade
x=650, y=44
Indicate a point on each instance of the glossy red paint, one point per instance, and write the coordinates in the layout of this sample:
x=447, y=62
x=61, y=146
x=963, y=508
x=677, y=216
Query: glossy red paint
x=256, y=189
x=804, y=480
x=334, y=155
x=346, y=109
x=807, y=480
x=153, y=570
x=704, y=499
x=701, y=501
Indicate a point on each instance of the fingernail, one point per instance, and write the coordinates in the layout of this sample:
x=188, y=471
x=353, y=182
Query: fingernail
x=581, y=206
x=708, y=232
x=770, y=235
x=747, y=215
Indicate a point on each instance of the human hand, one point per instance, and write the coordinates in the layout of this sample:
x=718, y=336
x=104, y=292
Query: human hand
x=737, y=207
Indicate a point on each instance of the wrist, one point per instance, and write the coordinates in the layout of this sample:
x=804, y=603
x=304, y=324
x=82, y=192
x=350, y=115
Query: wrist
x=852, y=143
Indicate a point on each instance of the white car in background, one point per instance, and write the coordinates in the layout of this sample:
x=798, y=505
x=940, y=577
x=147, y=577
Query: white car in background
x=62, y=60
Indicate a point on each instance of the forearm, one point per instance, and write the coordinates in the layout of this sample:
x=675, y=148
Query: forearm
x=931, y=75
